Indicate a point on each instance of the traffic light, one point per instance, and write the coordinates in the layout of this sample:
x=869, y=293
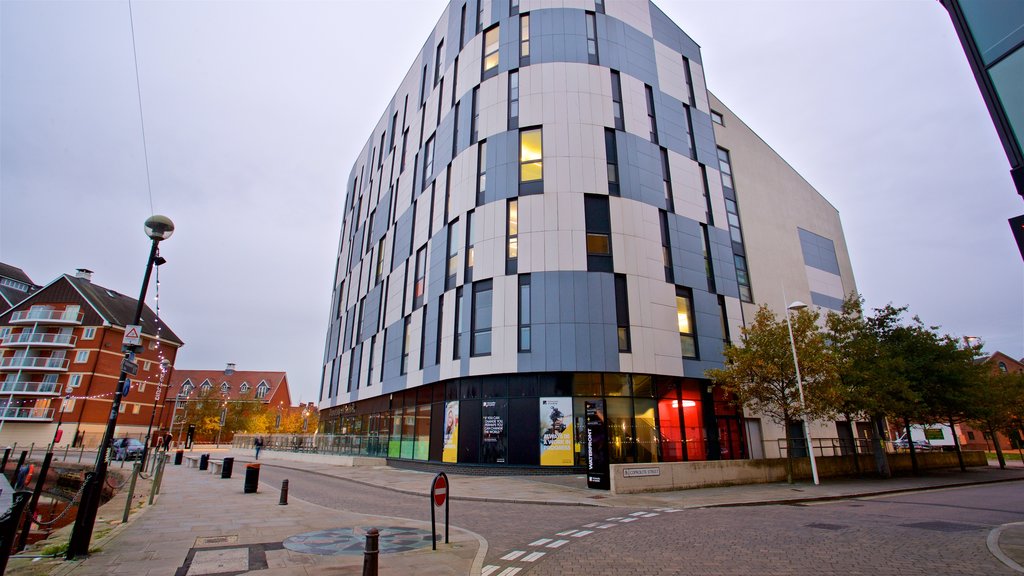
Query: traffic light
x=1017, y=225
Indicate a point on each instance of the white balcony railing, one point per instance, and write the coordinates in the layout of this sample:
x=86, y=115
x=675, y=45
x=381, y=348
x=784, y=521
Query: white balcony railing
x=40, y=339
x=12, y=413
x=26, y=387
x=33, y=363
x=46, y=317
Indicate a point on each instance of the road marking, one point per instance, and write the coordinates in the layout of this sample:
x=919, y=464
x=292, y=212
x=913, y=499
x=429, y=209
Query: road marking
x=613, y=519
x=487, y=570
x=509, y=571
x=582, y=533
x=628, y=520
x=638, y=513
x=566, y=533
x=540, y=542
x=650, y=515
x=533, y=556
x=605, y=526
x=558, y=544
x=513, y=555
x=591, y=525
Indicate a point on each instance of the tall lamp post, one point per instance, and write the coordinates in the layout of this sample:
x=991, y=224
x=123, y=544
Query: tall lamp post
x=158, y=228
x=164, y=365
x=798, y=305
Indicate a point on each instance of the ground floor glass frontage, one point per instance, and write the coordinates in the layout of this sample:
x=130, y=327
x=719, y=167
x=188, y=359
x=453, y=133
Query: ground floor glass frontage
x=538, y=420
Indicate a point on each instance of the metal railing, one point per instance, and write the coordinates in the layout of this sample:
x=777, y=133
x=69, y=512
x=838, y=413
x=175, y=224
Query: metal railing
x=341, y=444
x=34, y=363
x=56, y=316
x=822, y=446
x=26, y=387
x=39, y=339
x=12, y=413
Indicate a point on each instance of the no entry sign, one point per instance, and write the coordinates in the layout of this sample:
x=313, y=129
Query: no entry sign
x=440, y=490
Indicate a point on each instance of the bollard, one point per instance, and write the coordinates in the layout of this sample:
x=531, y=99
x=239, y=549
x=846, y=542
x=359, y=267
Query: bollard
x=9, y=525
x=371, y=553
x=227, y=467
x=17, y=469
x=252, y=478
x=179, y=455
x=40, y=483
x=284, y=493
x=158, y=478
x=3, y=464
x=204, y=461
x=131, y=492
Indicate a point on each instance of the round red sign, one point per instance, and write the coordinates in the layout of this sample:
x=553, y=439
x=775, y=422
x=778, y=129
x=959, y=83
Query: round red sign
x=440, y=491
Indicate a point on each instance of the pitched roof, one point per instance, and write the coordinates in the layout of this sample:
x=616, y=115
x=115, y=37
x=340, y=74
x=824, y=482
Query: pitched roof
x=10, y=296
x=15, y=273
x=118, y=309
x=216, y=377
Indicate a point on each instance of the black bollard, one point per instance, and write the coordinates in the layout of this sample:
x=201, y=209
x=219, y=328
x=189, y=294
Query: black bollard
x=40, y=483
x=284, y=493
x=9, y=525
x=204, y=462
x=3, y=464
x=17, y=469
x=371, y=553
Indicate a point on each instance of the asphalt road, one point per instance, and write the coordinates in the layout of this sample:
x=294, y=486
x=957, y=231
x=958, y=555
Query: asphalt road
x=932, y=533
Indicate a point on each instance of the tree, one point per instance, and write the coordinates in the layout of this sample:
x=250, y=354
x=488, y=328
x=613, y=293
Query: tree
x=997, y=404
x=761, y=374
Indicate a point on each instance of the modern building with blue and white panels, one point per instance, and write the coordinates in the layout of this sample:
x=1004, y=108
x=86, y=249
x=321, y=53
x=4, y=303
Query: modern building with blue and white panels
x=552, y=210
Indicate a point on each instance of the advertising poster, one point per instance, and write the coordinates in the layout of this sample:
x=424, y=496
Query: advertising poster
x=597, y=445
x=494, y=437
x=556, y=434
x=450, y=452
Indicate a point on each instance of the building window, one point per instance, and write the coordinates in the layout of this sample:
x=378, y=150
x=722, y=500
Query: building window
x=440, y=102
x=666, y=182
x=666, y=247
x=1002, y=367
x=81, y=357
x=462, y=28
x=380, y=262
x=458, y=324
x=599, y=233
x=480, y=339
x=531, y=162
x=74, y=380
x=369, y=365
x=705, y=247
x=453, y=255
x=725, y=319
x=244, y=387
x=617, y=101
x=650, y=113
x=684, y=313
x=490, y=58
x=481, y=173
x=717, y=118
x=734, y=221
x=599, y=6
x=419, y=287
x=474, y=121
x=207, y=386
x=423, y=335
x=622, y=313
x=406, y=342
x=591, y=37
x=88, y=333
x=428, y=160
x=479, y=16
x=725, y=167
x=423, y=87
x=380, y=157
x=455, y=128
x=513, y=100
x=68, y=405
x=225, y=387
x=612, y=157
x=470, y=241
x=690, y=139
x=524, y=39
x=524, y=313
x=439, y=62
x=513, y=7
x=742, y=278
x=512, y=235
x=440, y=327
x=405, y=143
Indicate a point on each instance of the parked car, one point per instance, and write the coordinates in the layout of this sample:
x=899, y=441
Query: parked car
x=919, y=445
x=127, y=449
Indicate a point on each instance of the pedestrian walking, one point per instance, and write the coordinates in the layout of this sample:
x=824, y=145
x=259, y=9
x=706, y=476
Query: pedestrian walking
x=258, y=444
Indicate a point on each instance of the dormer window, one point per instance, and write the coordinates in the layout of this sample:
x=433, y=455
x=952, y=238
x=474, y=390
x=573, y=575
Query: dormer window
x=225, y=387
x=244, y=387
x=187, y=387
x=262, y=389
x=207, y=386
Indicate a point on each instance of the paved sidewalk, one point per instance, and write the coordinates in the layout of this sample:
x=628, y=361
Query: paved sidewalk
x=203, y=524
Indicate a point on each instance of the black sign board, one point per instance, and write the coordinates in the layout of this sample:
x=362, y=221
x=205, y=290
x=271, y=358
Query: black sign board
x=597, y=445
x=129, y=367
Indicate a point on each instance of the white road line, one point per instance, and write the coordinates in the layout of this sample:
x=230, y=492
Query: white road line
x=533, y=556
x=540, y=542
x=613, y=519
x=591, y=525
x=566, y=533
x=651, y=515
x=605, y=526
x=487, y=570
x=638, y=513
x=509, y=571
x=513, y=555
x=558, y=544
x=628, y=520
x=582, y=533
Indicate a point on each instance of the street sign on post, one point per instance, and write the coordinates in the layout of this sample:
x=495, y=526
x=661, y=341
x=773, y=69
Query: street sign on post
x=438, y=498
x=132, y=335
x=129, y=367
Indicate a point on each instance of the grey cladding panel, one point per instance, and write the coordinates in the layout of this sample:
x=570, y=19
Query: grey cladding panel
x=671, y=124
x=502, y=166
x=723, y=262
x=666, y=32
x=437, y=261
x=371, y=311
x=704, y=138
x=826, y=301
x=639, y=169
x=403, y=239
x=819, y=252
x=393, y=380
x=380, y=219
x=557, y=35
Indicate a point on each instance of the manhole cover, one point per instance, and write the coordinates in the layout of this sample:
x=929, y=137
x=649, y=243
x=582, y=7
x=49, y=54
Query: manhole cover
x=352, y=541
x=824, y=526
x=216, y=540
x=940, y=526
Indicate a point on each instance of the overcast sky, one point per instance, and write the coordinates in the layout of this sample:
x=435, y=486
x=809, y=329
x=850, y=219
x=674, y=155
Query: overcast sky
x=254, y=113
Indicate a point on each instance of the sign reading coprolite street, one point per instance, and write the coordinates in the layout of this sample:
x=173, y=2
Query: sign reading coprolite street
x=438, y=498
x=640, y=472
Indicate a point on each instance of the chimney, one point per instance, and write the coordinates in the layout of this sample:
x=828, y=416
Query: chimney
x=230, y=369
x=84, y=274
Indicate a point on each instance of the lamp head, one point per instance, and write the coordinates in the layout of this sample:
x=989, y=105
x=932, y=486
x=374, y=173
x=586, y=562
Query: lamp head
x=159, y=227
x=797, y=305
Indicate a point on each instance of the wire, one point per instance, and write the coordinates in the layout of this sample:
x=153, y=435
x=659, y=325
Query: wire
x=142, y=119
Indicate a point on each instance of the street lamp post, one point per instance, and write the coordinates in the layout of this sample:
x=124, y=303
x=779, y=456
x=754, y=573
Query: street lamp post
x=158, y=228
x=798, y=305
x=156, y=400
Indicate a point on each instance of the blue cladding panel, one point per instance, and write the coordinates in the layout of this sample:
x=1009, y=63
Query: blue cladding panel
x=819, y=252
x=573, y=325
x=556, y=35
x=356, y=248
x=723, y=262
x=666, y=32
x=380, y=219
x=393, y=380
x=640, y=170
x=502, y=166
x=430, y=344
x=826, y=301
x=640, y=61
x=671, y=123
x=403, y=240
x=704, y=138
x=436, y=263
x=371, y=312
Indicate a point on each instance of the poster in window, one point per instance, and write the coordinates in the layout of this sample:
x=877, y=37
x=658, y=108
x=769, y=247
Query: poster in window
x=556, y=433
x=450, y=452
x=494, y=435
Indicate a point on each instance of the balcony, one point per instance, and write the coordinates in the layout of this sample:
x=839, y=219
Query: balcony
x=26, y=387
x=62, y=317
x=40, y=339
x=34, y=363
x=27, y=414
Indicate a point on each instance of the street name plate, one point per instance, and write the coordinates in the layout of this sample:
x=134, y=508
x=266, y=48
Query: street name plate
x=129, y=367
x=639, y=472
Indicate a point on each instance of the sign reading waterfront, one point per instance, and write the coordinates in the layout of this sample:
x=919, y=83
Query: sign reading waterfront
x=597, y=445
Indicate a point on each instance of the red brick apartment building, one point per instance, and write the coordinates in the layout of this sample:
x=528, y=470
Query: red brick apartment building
x=60, y=357
x=975, y=439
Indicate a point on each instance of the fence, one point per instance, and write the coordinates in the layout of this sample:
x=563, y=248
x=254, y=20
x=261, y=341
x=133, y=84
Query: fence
x=338, y=444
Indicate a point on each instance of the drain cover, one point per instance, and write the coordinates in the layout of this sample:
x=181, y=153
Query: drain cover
x=216, y=540
x=352, y=541
x=823, y=526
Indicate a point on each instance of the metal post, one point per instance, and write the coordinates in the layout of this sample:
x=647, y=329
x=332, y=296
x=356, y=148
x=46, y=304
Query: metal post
x=800, y=388
x=23, y=539
x=9, y=526
x=372, y=552
x=81, y=452
x=3, y=463
x=21, y=461
x=66, y=448
x=131, y=491
x=79, y=538
x=284, y=493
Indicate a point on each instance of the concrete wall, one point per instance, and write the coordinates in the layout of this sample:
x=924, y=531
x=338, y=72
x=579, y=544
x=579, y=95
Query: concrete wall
x=682, y=475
